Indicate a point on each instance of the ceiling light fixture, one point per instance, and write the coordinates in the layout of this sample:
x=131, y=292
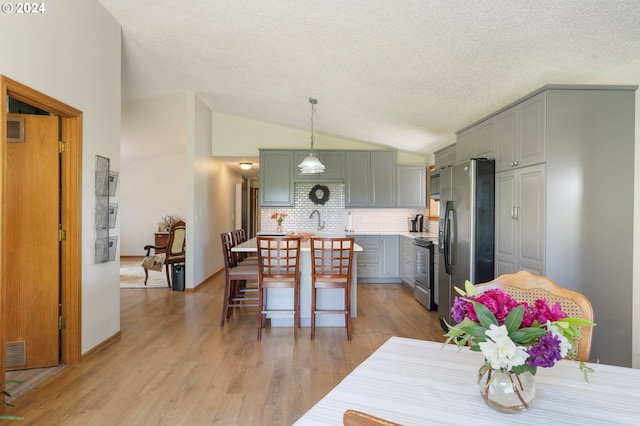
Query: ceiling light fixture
x=311, y=164
x=246, y=166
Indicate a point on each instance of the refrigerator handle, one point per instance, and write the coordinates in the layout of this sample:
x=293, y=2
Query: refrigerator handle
x=447, y=236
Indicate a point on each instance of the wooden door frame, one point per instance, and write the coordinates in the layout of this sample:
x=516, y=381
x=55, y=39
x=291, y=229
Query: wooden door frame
x=71, y=253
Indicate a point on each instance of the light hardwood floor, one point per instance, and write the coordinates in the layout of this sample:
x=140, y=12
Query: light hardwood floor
x=174, y=364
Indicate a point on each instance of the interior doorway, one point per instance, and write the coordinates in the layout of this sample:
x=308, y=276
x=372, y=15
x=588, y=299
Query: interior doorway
x=68, y=230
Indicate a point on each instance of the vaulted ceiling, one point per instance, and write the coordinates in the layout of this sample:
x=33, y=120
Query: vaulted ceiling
x=401, y=73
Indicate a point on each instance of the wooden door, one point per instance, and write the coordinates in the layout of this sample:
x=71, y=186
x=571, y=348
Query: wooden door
x=32, y=245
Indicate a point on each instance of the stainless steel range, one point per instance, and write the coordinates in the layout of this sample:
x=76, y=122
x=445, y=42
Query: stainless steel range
x=423, y=289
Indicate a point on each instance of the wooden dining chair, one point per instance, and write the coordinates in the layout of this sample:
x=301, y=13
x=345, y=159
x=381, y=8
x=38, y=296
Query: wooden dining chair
x=524, y=286
x=359, y=418
x=238, y=278
x=172, y=253
x=331, y=267
x=278, y=268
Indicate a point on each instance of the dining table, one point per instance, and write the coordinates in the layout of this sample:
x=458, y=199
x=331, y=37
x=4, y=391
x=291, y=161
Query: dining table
x=418, y=382
x=327, y=298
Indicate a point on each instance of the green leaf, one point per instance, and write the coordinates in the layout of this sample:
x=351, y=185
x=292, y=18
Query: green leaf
x=575, y=321
x=7, y=417
x=476, y=331
x=527, y=335
x=525, y=367
x=587, y=372
x=470, y=288
x=485, y=317
x=514, y=319
x=459, y=291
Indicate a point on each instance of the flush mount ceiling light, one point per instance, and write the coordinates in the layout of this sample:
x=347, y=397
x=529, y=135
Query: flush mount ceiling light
x=311, y=164
x=246, y=166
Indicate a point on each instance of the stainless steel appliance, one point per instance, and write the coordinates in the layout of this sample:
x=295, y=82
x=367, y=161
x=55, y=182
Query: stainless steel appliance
x=424, y=286
x=466, y=229
x=417, y=223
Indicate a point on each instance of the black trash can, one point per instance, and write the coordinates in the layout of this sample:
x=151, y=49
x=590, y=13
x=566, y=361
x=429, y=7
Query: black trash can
x=177, y=277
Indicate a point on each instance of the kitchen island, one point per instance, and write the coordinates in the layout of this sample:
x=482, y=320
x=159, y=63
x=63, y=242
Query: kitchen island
x=278, y=298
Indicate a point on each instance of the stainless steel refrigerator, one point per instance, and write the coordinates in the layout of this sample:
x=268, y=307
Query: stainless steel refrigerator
x=466, y=229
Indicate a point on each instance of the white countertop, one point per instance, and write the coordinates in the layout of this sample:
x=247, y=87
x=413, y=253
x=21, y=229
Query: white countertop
x=416, y=382
x=251, y=246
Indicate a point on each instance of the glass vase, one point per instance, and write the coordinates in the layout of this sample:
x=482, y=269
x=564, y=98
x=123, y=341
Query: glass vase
x=279, y=228
x=506, y=391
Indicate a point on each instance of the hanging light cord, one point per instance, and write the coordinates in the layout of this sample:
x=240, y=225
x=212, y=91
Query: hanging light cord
x=313, y=103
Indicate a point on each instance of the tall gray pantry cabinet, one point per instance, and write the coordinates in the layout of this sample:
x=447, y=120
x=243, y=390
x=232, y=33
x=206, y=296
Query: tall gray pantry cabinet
x=564, y=199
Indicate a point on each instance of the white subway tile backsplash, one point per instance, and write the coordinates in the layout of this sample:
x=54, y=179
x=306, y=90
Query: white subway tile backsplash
x=334, y=214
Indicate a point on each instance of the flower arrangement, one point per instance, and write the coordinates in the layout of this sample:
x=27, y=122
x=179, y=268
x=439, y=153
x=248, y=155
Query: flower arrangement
x=167, y=222
x=279, y=217
x=514, y=337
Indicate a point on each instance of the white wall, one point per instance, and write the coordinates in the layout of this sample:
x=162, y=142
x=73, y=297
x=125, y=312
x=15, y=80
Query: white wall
x=167, y=168
x=72, y=53
x=630, y=74
x=202, y=258
x=153, y=174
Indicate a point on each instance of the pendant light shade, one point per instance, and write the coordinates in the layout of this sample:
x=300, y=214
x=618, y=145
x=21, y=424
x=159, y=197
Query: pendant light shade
x=311, y=164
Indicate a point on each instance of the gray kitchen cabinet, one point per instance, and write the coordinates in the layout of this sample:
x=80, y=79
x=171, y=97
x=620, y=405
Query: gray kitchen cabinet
x=389, y=253
x=383, y=178
x=411, y=185
x=333, y=162
x=357, y=179
x=520, y=220
x=370, y=178
x=477, y=141
x=276, y=178
x=378, y=261
x=407, y=260
x=445, y=157
x=565, y=172
x=368, y=263
x=520, y=134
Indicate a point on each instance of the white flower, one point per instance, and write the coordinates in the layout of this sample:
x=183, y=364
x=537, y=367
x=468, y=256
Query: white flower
x=565, y=345
x=500, y=350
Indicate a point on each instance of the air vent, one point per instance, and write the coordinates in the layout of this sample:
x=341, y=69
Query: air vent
x=16, y=354
x=15, y=129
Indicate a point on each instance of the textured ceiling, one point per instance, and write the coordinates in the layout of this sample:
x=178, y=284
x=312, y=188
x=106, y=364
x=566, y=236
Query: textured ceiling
x=401, y=73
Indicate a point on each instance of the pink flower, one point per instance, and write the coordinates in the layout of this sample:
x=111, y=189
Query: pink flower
x=499, y=302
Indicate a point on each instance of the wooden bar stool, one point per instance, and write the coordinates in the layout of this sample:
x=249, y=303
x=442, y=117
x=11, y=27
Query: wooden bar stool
x=278, y=267
x=239, y=237
x=238, y=291
x=331, y=265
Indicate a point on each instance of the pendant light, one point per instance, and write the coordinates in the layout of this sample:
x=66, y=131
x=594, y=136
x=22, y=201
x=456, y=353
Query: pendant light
x=311, y=164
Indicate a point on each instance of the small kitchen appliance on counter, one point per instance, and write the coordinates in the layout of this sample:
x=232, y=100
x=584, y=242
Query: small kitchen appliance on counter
x=416, y=224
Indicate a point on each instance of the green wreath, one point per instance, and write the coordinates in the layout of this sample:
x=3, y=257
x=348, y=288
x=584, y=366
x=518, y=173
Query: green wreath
x=319, y=194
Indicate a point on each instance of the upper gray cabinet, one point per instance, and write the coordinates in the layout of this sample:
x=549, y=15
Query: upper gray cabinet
x=411, y=186
x=276, y=178
x=520, y=134
x=370, y=179
x=383, y=178
x=445, y=157
x=476, y=142
x=333, y=162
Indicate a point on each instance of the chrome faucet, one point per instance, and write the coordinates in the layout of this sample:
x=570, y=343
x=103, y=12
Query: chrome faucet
x=320, y=227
